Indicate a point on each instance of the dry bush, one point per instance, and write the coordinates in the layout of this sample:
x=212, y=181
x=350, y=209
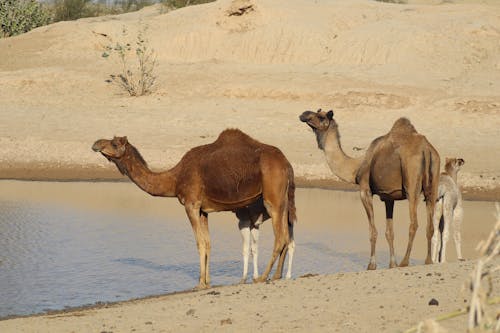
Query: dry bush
x=138, y=63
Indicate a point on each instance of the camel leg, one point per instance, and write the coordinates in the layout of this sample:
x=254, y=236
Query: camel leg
x=277, y=217
x=448, y=217
x=436, y=239
x=254, y=233
x=244, y=226
x=281, y=263
x=291, y=251
x=389, y=231
x=367, y=200
x=430, y=204
x=200, y=229
x=412, y=201
x=458, y=214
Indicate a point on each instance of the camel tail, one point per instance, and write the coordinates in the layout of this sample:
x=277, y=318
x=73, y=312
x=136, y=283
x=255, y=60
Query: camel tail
x=430, y=176
x=292, y=215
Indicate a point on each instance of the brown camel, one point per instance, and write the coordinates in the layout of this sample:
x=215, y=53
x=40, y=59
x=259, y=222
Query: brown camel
x=397, y=166
x=229, y=174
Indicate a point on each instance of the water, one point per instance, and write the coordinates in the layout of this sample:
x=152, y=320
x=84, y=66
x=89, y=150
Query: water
x=72, y=244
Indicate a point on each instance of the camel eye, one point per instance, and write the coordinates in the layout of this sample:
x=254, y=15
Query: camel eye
x=114, y=145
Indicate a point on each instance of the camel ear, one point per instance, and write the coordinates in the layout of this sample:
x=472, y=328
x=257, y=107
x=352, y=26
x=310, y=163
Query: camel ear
x=329, y=114
x=123, y=140
x=461, y=161
x=319, y=110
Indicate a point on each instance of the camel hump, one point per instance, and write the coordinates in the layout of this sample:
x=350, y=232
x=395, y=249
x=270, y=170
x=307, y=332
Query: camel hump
x=403, y=125
x=234, y=136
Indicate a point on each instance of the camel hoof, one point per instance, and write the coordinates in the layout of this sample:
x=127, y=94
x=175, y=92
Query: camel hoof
x=259, y=279
x=461, y=259
x=201, y=287
x=243, y=281
x=393, y=265
x=428, y=261
x=276, y=277
x=403, y=263
x=372, y=266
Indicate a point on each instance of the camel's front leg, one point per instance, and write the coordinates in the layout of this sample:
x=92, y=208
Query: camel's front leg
x=389, y=231
x=436, y=239
x=199, y=223
x=412, y=202
x=367, y=200
x=244, y=226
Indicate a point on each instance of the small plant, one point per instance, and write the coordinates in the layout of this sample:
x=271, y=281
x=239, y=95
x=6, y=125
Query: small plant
x=140, y=81
x=20, y=16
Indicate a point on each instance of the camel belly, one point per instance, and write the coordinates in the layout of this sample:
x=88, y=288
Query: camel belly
x=210, y=205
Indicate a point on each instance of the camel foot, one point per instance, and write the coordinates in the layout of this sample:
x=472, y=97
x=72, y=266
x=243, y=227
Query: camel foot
x=461, y=259
x=372, y=266
x=403, y=263
x=243, y=281
x=428, y=261
x=201, y=286
x=259, y=279
x=393, y=264
x=276, y=277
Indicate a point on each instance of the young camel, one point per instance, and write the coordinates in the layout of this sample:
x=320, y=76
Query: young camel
x=448, y=210
x=227, y=175
x=397, y=166
x=250, y=218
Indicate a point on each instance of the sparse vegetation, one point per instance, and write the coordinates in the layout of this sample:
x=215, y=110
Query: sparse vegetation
x=138, y=81
x=183, y=3
x=20, y=16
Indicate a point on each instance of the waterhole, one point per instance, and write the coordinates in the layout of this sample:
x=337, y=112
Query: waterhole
x=77, y=243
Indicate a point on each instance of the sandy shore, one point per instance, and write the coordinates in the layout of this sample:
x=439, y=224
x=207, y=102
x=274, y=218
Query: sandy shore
x=374, y=301
x=437, y=63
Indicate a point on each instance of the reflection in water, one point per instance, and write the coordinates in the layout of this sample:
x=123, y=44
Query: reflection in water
x=72, y=244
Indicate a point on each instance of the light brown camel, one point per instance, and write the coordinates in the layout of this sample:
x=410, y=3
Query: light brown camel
x=448, y=210
x=229, y=174
x=397, y=166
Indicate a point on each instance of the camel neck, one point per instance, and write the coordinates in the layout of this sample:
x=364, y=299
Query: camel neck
x=342, y=165
x=452, y=173
x=155, y=183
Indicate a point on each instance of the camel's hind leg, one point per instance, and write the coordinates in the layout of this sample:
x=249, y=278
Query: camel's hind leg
x=291, y=251
x=367, y=200
x=244, y=226
x=276, y=211
x=412, y=202
x=254, y=249
x=447, y=217
x=458, y=215
x=436, y=239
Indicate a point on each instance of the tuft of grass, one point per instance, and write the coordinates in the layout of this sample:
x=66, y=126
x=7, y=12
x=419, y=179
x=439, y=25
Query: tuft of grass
x=140, y=80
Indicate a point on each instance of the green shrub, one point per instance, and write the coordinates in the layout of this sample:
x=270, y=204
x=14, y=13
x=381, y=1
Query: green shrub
x=20, y=16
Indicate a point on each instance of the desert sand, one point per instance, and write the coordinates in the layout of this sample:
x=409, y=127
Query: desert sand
x=437, y=63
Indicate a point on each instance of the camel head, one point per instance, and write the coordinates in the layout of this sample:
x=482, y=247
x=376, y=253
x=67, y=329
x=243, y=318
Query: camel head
x=319, y=122
x=453, y=164
x=113, y=149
